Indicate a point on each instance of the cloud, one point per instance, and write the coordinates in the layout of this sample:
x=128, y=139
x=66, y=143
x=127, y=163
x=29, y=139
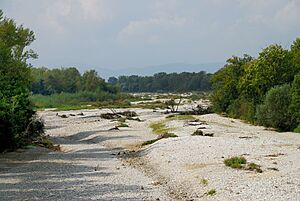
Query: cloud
x=95, y=10
x=61, y=14
x=150, y=29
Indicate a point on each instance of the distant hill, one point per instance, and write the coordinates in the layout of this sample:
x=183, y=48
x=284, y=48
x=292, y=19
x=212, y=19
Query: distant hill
x=168, y=68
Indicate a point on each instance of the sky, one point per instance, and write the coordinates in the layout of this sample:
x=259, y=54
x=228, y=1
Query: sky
x=114, y=34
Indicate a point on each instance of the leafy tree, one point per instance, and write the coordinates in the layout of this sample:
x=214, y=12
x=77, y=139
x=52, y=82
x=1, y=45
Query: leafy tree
x=295, y=51
x=16, y=114
x=225, y=82
x=112, y=80
x=272, y=67
x=90, y=81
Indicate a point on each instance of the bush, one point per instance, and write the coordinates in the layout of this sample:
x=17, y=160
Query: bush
x=297, y=130
x=242, y=108
x=294, y=107
x=237, y=162
x=274, y=112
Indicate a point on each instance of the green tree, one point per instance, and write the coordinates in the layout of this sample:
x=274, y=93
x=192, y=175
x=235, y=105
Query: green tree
x=272, y=67
x=90, y=81
x=225, y=82
x=274, y=112
x=16, y=114
x=295, y=51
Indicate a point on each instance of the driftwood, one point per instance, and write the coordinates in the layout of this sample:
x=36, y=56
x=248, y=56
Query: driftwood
x=116, y=115
x=199, y=110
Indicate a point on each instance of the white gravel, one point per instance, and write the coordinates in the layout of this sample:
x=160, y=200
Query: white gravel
x=89, y=167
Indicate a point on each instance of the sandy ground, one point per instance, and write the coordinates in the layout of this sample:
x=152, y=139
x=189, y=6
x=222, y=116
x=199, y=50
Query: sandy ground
x=98, y=164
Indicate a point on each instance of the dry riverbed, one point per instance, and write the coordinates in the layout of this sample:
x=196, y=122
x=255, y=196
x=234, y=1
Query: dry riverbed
x=98, y=162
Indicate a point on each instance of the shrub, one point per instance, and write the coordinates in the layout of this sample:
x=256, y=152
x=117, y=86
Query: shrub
x=253, y=167
x=297, y=130
x=274, y=112
x=294, y=107
x=204, y=182
x=162, y=136
x=211, y=192
x=237, y=162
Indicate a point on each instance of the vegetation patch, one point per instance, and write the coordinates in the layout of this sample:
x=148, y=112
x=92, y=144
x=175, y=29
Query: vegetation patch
x=159, y=127
x=204, y=182
x=253, y=167
x=237, y=162
x=180, y=117
x=241, y=89
x=80, y=100
x=122, y=125
x=162, y=136
x=211, y=192
x=45, y=141
x=297, y=130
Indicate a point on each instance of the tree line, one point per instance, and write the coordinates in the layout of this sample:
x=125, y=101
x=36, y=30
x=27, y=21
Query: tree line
x=68, y=80
x=264, y=90
x=163, y=82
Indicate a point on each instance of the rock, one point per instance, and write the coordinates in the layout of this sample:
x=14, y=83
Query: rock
x=198, y=132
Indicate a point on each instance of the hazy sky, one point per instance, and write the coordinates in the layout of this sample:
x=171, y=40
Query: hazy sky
x=137, y=33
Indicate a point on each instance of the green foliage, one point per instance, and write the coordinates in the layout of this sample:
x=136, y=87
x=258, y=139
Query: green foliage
x=163, y=82
x=295, y=51
x=180, y=117
x=211, y=192
x=274, y=112
x=122, y=125
x=18, y=125
x=159, y=127
x=254, y=167
x=162, y=136
x=297, y=130
x=80, y=100
x=68, y=80
x=272, y=67
x=244, y=87
x=204, y=182
x=236, y=162
x=294, y=107
x=225, y=82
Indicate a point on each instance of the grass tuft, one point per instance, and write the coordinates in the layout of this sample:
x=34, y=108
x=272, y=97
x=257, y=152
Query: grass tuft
x=180, y=117
x=159, y=127
x=122, y=125
x=237, y=162
x=211, y=192
x=162, y=136
x=254, y=167
x=204, y=182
